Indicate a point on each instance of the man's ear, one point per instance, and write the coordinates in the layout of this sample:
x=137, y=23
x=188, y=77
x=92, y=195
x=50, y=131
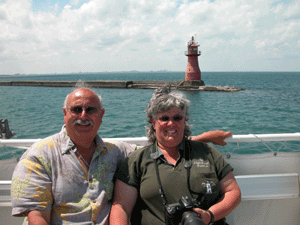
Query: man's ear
x=64, y=111
x=102, y=112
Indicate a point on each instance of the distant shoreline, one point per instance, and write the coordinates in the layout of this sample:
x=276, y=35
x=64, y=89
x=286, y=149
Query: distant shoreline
x=136, y=71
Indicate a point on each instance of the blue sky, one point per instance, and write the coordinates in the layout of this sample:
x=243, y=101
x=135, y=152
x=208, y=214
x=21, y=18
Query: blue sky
x=66, y=36
x=52, y=5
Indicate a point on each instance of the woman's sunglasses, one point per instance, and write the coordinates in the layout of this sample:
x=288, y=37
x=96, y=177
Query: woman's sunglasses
x=176, y=118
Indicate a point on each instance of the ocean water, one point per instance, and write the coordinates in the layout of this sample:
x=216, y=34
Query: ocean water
x=270, y=103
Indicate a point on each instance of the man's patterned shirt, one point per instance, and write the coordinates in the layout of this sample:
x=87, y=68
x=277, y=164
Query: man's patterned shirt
x=49, y=177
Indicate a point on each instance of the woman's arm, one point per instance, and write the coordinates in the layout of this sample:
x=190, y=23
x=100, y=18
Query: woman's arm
x=231, y=198
x=216, y=137
x=125, y=197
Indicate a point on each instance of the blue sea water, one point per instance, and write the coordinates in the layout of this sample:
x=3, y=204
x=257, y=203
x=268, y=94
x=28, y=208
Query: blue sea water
x=270, y=103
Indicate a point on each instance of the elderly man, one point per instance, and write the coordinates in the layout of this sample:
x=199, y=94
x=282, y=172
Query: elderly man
x=67, y=178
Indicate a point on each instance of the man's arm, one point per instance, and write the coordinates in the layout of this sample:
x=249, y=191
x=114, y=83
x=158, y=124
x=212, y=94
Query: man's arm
x=31, y=184
x=216, y=137
x=38, y=218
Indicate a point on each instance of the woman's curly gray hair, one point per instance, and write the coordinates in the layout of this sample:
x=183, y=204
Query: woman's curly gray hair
x=163, y=100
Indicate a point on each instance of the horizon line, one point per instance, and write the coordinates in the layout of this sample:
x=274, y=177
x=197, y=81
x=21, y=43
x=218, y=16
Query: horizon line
x=139, y=71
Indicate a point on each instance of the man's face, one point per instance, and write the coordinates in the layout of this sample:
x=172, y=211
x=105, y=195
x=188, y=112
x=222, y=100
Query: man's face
x=83, y=116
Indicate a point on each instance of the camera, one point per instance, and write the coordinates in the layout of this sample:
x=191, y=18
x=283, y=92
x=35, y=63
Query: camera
x=183, y=212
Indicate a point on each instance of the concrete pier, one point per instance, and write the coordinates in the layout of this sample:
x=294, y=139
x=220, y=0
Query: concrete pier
x=180, y=85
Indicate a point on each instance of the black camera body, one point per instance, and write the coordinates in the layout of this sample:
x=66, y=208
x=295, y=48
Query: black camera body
x=183, y=212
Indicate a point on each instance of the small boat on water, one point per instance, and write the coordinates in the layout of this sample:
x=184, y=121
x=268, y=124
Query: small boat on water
x=269, y=181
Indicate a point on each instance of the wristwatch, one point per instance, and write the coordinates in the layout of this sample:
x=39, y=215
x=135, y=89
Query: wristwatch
x=212, y=218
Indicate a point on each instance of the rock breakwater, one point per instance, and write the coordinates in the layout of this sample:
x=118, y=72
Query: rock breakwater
x=180, y=85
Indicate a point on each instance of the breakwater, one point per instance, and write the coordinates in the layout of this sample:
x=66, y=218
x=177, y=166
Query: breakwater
x=180, y=85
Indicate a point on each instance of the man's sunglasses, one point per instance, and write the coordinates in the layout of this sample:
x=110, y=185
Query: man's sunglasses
x=89, y=110
x=176, y=118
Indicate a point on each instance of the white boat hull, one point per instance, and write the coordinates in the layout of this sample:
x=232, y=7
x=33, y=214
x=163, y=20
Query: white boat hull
x=266, y=211
x=274, y=198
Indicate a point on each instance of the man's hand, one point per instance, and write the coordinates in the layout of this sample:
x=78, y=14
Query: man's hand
x=216, y=137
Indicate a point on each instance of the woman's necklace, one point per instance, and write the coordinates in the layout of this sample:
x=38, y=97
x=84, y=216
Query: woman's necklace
x=80, y=156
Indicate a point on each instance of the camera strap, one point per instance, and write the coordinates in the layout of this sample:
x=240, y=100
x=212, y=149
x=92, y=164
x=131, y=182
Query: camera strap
x=161, y=191
x=187, y=165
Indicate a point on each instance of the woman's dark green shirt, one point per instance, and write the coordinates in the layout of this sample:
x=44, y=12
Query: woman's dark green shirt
x=138, y=170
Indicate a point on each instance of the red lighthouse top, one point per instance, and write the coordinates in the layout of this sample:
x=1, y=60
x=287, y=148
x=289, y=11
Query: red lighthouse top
x=193, y=48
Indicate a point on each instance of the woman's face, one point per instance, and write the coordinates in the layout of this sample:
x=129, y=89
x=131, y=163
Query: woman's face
x=169, y=128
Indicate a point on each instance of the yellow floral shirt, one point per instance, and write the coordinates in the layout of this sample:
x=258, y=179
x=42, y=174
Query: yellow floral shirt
x=49, y=177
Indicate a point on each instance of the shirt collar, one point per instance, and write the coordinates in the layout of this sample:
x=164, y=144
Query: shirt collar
x=157, y=153
x=68, y=145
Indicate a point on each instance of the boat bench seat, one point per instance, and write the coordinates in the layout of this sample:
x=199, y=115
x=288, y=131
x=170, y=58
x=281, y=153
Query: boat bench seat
x=269, y=186
x=5, y=199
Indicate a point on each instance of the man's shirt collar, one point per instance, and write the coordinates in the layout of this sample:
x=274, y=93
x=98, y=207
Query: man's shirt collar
x=68, y=144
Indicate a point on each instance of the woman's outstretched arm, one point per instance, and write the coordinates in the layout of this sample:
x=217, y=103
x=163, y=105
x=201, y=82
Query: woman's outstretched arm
x=215, y=136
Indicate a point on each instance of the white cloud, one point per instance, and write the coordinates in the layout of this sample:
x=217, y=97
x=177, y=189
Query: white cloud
x=110, y=35
x=130, y=28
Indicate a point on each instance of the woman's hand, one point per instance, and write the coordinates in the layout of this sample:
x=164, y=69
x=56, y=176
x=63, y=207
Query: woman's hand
x=203, y=214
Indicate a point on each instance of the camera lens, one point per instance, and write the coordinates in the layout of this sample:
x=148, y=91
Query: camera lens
x=191, y=218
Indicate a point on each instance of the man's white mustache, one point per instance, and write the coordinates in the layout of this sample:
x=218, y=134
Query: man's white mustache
x=83, y=122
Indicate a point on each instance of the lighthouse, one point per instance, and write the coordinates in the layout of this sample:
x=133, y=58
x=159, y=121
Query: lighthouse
x=192, y=72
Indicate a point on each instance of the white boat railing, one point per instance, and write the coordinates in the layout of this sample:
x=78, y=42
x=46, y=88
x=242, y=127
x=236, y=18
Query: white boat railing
x=264, y=137
x=141, y=141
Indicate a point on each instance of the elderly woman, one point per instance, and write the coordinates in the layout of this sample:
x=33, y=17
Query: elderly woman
x=174, y=179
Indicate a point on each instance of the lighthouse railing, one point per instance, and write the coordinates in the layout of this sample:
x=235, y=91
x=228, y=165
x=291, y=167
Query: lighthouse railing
x=192, y=53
